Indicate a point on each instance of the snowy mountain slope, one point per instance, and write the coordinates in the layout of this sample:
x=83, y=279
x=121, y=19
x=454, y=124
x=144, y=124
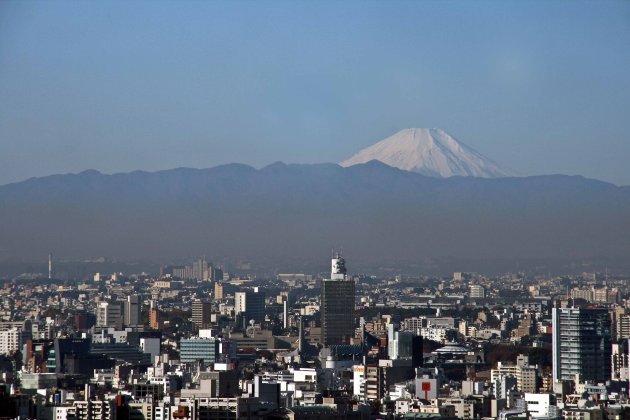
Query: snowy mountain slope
x=431, y=152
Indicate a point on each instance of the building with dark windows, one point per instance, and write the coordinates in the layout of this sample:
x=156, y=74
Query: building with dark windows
x=250, y=305
x=133, y=310
x=199, y=349
x=201, y=313
x=337, y=305
x=581, y=344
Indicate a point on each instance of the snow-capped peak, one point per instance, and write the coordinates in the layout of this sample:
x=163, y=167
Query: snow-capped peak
x=431, y=152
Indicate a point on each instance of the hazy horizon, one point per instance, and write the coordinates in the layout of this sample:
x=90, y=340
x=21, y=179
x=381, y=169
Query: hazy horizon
x=259, y=167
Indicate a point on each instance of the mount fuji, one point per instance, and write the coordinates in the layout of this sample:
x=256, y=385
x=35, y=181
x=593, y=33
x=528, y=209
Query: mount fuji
x=431, y=152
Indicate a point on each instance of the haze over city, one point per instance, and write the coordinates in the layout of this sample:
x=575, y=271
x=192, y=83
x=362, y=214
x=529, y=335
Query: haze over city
x=343, y=210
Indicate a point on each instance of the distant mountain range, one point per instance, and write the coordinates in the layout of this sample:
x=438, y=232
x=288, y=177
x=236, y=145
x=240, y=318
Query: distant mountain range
x=431, y=152
x=372, y=210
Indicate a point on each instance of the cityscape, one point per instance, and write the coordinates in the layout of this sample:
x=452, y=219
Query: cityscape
x=314, y=210
x=196, y=342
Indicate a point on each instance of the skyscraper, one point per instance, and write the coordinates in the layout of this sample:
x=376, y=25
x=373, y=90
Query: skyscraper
x=337, y=305
x=250, y=305
x=581, y=344
x=201, y=270
x=201, y=313
x=110, y=314
x=133, y=310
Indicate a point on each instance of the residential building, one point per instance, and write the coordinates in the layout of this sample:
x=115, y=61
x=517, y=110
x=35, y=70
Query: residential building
x=581, y=344
x=201, y=313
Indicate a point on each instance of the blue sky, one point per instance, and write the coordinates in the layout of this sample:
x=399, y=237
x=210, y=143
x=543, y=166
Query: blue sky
x=541, y=87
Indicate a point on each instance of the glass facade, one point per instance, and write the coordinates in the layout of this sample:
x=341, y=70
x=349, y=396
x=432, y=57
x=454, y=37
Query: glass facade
x=195, y=349
x=337, y=311
x=581, y=344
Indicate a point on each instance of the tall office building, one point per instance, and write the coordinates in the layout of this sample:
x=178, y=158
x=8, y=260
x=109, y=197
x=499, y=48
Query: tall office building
x=63, y=348
x=201, y=313
x=110, y=314
x=581, y=344
x=133, y=310
x=404, y=345
x=199, y=349
x=250, y=305
x=337, y=305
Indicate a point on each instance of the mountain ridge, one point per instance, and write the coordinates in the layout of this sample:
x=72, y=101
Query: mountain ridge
x=297, y=209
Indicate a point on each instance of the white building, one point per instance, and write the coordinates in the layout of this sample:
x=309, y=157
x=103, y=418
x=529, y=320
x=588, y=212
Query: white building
x=541, y=405
x=477, y=292
x=525, y=375
x=10, y=341
x=64, y=413
x=358, y=380
x=434, y=333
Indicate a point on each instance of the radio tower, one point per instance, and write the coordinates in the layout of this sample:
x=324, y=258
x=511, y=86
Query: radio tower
x=49, y=266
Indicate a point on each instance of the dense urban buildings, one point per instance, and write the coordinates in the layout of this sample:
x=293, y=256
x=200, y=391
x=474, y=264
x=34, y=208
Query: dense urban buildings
x=328, y=345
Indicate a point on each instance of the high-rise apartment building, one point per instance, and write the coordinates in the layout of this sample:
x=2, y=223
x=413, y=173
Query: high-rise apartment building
x=218, y=291
x=154, y=316
x=620, y=366
x=201, y=270
x=581, y=344
x=337, y=305
x=201, y=313
x=477, y=291
x=10, y=341
x=110, y=314
x=623, y=327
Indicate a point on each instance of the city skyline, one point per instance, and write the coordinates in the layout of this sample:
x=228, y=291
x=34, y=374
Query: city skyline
x=174, y=174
